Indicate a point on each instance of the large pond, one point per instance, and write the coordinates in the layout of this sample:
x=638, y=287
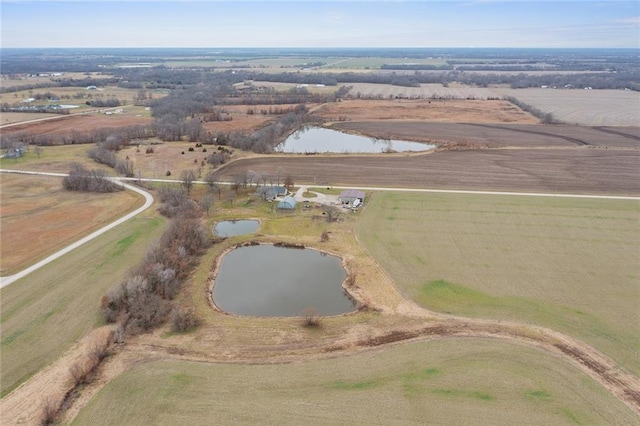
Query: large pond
x=320, y=140
x=231, y=228
x=265, y=280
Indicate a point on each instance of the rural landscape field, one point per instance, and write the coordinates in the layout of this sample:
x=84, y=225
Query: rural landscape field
x=492, y=274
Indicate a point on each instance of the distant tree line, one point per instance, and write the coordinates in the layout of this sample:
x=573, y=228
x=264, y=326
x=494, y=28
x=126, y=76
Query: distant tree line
x=545, y=117
x=628, y=78
x=49, y=109
x=416, y=67
x=62, y=82
x=104, y=103
x=73, y=137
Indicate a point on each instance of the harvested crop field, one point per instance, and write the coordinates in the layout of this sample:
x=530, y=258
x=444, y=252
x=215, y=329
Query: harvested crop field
x=567, y=264
x=45, y=313
x=425, y=91
x=38, y=216
x=571, y=106
x=480, y=135
x=457, y=381
x=456, y=111
x=571, y=170
x=583, y=107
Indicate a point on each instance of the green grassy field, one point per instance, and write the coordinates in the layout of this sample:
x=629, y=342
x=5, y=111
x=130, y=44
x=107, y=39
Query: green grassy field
x=456, y=381
x=44, y=313
x=568, y=264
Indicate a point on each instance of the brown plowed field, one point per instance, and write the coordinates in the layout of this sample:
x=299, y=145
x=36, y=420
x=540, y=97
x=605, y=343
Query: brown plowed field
x=578, y=170
x=497, y=135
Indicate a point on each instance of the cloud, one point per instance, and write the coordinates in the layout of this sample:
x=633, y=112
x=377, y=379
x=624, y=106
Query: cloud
x=631, y=21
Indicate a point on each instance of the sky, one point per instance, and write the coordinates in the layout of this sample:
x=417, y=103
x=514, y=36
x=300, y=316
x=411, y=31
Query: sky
x=319, y=23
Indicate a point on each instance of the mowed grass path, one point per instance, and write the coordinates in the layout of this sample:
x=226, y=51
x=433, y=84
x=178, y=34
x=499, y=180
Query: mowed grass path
x=568, y=264
x=46, y=312
x=453, y=381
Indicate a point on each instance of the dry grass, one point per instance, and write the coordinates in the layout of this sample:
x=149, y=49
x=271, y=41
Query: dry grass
x=39, y=217
x=570, y=265
x=577, y=106
x=454, y=111
x=125, y=96
x=54, y=159
x=458, y=381
x=65, y=124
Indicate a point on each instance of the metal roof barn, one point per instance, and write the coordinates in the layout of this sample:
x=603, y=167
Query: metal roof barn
x=288, y=203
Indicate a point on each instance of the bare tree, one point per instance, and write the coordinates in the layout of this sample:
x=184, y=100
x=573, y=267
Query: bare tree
x=125, y=167
x=206, y=203
x=213, y=186
x=231, y=196
x=288, y=182
x=188, y=177
x=38, y=150
x=332, y=212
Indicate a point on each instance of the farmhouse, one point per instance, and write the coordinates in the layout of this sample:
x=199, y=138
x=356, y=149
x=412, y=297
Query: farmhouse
x=287, y=203
x=349, y=197
x=270, y=193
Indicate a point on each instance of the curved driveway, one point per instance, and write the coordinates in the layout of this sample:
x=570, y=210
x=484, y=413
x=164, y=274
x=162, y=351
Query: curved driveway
x=5, y=281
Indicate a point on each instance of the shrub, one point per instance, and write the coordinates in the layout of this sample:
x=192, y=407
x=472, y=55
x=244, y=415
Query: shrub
x=50, y=409
x=81, y=179
x=183, y=320
x=103, y=156
x=311, y=318
x=145, y=309
x=80, y=371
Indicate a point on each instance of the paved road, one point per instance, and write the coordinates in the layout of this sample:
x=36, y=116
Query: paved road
x=5, y=281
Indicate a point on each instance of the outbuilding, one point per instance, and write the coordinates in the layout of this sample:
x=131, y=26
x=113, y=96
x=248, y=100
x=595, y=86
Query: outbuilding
x=349, y=196
x=287, y=203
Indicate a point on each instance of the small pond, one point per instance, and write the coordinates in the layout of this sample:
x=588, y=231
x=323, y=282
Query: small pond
x=320, y=140
x=265, y=280
x=231, y=228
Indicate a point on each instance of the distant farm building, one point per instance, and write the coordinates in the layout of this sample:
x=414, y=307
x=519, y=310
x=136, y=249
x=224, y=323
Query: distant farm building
x=16, y=151
x=349, y=197
x=287, y=203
